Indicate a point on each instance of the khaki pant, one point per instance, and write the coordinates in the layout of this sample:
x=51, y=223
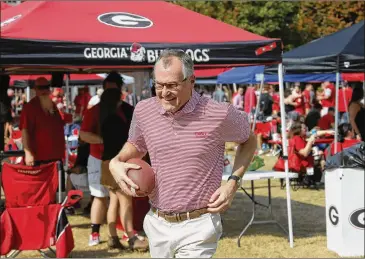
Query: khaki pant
x=195, y=238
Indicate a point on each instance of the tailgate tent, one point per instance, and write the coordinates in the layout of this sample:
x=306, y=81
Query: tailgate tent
x=353, y=77
x=253, y=75
x=242, y=75
x=342, y=51
x=75, y=79
x=123, y=34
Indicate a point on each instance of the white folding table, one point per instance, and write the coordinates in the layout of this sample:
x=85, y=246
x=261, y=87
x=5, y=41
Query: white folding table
x=259, y=175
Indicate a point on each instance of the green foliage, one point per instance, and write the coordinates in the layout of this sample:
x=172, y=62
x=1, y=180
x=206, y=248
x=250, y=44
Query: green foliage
x=318, y=19
x=292, y=21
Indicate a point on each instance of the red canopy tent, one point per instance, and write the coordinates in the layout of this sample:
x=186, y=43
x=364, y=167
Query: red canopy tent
x=75, y=79
x=95, y=79
x=51, y=35
x=353, y=77
x=209, y=72
x=4, y=6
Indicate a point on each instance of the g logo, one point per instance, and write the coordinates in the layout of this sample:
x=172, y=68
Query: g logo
x=333, y=215
x=125, y=20
x=357, y=218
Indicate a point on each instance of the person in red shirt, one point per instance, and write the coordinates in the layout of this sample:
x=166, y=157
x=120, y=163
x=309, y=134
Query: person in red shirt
x=250, y=100
x=328, y=99
x=298, y=99
x=42, y=128
x=308, y=97
x=344, y=98
x=346, y=139
x=303, y=148
x=85, y=100
x=327, y=121
x=81, y=101
x=56, y=95
x=274, y=91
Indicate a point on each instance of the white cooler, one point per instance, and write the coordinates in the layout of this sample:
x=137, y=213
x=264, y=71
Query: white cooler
x=345, y=211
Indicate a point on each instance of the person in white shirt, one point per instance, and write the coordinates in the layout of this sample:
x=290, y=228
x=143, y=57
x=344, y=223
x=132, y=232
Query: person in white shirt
x=238, y=99
x=95, y=99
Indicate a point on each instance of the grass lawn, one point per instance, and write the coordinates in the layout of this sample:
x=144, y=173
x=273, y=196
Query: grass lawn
x=309, y=223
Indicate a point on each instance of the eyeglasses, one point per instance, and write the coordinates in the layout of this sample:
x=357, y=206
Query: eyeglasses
x=169, y=86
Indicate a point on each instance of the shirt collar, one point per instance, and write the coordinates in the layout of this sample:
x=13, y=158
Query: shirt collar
x=189, y=106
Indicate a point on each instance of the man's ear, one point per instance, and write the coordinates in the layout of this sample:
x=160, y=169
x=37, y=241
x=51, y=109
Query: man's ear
x=192, y=79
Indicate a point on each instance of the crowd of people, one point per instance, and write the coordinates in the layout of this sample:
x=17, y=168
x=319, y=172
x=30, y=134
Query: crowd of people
x=310, y=110
x=112, y=131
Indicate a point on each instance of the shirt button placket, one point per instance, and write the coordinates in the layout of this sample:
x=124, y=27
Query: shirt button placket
x=174, y=126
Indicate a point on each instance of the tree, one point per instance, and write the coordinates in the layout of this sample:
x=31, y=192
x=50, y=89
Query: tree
x=318, y=19
x=270, y=19
x=294, y=22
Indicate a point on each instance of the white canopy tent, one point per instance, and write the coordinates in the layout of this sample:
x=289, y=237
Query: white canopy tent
x=284, y=143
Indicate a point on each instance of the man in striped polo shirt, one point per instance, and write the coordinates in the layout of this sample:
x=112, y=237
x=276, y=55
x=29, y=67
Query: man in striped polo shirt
x=185, y=136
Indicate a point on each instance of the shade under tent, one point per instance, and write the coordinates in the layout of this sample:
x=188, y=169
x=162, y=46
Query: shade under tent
x=342, y=51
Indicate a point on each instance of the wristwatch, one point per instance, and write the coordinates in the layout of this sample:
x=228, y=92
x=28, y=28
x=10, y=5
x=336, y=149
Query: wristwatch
x=237, y=179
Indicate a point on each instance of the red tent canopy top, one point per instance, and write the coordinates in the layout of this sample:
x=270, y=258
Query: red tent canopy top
x=4, y=6
x=124, y=34
x=353, y=77
x=97, y=79
x=113, y=21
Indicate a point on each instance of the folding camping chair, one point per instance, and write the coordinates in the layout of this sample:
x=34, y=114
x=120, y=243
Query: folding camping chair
x=32, y=219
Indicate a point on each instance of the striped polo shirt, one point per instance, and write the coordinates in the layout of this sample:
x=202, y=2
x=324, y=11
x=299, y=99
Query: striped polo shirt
x=186, y=148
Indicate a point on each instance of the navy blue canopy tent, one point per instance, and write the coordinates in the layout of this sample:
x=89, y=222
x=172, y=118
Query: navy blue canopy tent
x=253, y=75
x=342, y=51
x=242, y=75
x=303, y=78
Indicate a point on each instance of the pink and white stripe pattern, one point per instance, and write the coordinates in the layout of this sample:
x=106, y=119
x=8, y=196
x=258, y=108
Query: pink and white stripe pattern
x=186, y=148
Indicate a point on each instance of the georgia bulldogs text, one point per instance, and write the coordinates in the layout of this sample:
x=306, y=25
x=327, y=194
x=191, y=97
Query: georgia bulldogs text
x=150, y=55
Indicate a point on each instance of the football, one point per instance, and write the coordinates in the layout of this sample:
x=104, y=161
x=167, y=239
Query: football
x=143, y=177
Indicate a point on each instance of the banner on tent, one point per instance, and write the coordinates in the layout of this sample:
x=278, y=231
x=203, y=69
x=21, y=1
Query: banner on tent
x=131, y=54
x=138, y=53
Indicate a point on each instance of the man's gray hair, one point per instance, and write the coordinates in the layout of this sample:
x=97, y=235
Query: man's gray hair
x=187, y=62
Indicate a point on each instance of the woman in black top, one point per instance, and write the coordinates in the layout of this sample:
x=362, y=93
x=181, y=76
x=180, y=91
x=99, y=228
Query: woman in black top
x=355, y=107
x=115, y=120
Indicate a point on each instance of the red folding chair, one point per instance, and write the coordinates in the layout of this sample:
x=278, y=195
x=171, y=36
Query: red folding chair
x=12, y=146
x=33, y=219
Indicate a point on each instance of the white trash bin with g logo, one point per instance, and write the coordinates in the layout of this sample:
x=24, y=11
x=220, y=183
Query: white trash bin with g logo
x=345, y=211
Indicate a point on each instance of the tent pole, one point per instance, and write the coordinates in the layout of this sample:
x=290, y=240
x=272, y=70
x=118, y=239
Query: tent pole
x=285, y=152
x=258, y=105
x=65, y=166
x=27, y=90
x=363, y=88
x=134, y=95
x=234, y=87
x=67, y=92
x=336, y=107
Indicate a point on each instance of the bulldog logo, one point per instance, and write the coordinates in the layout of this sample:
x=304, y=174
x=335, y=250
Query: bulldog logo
x=137, y=52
